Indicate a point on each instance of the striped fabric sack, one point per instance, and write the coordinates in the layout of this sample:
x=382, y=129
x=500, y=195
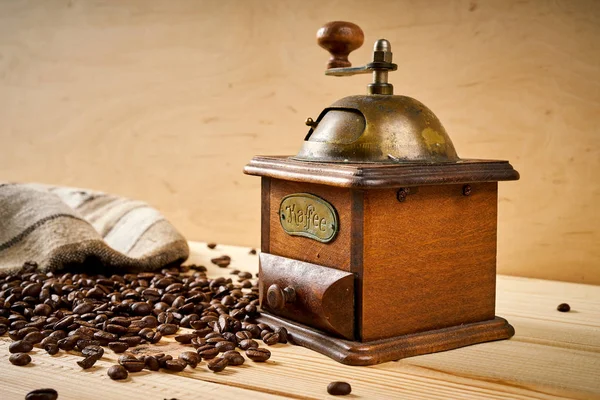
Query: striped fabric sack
x=62, y=228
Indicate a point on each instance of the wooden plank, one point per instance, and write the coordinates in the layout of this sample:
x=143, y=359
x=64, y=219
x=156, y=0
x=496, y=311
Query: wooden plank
x=549, y=355
x=549, y=358
x=444, y=275
x=537, y=299
x=63, y=374
x=333, y=254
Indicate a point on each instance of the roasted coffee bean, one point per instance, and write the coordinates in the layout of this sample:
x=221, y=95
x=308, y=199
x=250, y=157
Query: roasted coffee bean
x=131, y=341
x=83, y=343
x=207, y=351
x=68, y=343
x=245, y=275
x=203, y=332
x=283, y=334
x=88, y=362
x=14, y=335
x=264, y=332
x=165, y=317
x=19, y=325
x=20, y=346
x=218, y=364
x=224, y=323
x=27, y=330
x=138, y=324
x=264, y=327
x=162, y=360
x=211, y=245
x=248, y=344
x=271, y=338
x=3, y=329
x=63, y=323
x=234, y=358
x=252, y=251
x=214, y=335
x=116, y=329
x=254, y=330
x=151, y=294
x=339, y=388
x=145, y=332
x=224, y=346
x=215, y=340
x=150, y=321
x=58, y=335
x=19, y=359
x=132, y=364
x=33, y=337
x=32, y=290
x=197, y=342
x=117, y=372
x=221, y=262
x=104, y=336
x=151, y=363
x=118, y=347
x=120, y=321
x=167, y=329
x=176, y=365
x=191, y=358
x=141, y=308
x=42, y=309
x=93, y=350
x=247, y=284
x=185, y=338
x=48, y=339
x=150, y=335
x=258, y=354
x=42, y=394
x=51, y=348
x=230, y=337
x=563, y=307
x=83, y=308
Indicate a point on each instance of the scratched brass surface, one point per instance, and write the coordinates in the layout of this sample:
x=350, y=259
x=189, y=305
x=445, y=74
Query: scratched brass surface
x=378, y=128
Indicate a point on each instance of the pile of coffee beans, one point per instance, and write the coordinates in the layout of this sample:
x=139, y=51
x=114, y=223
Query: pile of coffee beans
x=82, y=313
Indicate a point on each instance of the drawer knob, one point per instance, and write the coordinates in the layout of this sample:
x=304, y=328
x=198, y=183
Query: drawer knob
x=277, y=297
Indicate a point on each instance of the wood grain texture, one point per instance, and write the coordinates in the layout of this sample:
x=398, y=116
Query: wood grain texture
x=265, y=215
x=380, y=175
x=430, y=261
x=323, y=297
x=355, y=353
x=167, y=101
x=334, y=254
x=564, y=366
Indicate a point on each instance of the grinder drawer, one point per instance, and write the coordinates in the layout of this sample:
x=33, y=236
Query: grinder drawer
x=311, y=294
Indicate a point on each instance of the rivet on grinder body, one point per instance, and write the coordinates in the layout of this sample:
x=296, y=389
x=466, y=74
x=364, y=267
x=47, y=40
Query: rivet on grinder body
x=467, y=190
x=402, y=193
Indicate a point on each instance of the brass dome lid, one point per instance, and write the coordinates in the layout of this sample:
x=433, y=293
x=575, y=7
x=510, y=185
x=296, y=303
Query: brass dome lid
x=377, y=128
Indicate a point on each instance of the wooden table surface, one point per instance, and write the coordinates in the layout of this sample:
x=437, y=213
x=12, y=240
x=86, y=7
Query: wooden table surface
x=552, y=356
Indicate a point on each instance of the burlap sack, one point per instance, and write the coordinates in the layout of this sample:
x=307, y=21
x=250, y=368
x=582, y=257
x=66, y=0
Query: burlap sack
x=59, y=228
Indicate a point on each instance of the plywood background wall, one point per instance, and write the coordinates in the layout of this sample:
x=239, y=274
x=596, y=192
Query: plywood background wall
x=165, y=101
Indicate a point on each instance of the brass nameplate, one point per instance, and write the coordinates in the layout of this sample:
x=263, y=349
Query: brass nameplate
x=303, y=214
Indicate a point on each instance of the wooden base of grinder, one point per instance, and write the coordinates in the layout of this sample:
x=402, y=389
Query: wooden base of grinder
x=391, y=349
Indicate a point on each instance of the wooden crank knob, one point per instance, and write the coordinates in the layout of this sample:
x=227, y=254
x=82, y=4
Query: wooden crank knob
x=277, y=297
x=340, y=38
